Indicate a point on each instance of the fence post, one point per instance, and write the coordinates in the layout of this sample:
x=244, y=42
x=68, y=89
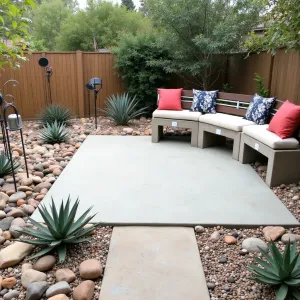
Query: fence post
x=80, y=83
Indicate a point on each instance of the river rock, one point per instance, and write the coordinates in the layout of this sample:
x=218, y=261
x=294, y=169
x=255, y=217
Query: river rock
x=65, y=275
x=215, y=236
x=199, y=229
x=11, y=295
x=290, y=237
x=4, y=197
x=16, y=213
x=35, y=290
x=252, y=244
x=41, y=186
x=90, y=269
x=84, y=291
x=6, y=222
x=31, y=276
x=229, y=239
x=59, y=297
x=17, y=196
x=19, y=222
x=2, y=214
x=45, y=263
x=15, y=231
x=272, y=233
x=9, y=282
x=61, y=287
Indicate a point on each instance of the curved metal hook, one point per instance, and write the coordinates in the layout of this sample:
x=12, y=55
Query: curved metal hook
x=8, y=81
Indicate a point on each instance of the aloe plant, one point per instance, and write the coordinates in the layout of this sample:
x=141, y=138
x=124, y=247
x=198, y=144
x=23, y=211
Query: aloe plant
x=55, y=112
x=5, y=165
x=54, y=133
x=281, y=270
x=62, y=230
x=122, y=108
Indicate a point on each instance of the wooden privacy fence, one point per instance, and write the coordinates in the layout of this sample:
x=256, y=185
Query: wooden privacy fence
x=281, y=73
x=71, y=71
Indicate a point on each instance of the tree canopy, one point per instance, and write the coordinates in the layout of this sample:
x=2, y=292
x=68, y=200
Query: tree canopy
x=282, y=27
x=128, y=4
x=104, y=21
x=47, y=20
x=14, y=30
x=200, y=33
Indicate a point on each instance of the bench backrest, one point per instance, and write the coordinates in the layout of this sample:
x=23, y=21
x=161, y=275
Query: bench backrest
x=227, y=103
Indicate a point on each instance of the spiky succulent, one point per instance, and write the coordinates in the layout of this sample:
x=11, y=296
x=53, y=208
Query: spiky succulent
x=281, y=270
x=122, y=108
x=5, y=165
x=61, y=229
x=54, y=133
x=55, y=112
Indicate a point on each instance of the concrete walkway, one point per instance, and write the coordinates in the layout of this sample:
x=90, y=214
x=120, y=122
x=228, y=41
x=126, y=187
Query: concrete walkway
x=131, y=181
x=153, y=263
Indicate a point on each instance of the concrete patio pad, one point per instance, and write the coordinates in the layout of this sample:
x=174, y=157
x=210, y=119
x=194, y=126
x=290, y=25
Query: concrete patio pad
x=153, y=263
x=131, y=181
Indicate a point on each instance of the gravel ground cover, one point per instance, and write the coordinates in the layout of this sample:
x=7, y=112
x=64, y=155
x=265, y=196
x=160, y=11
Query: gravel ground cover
x=225, y=265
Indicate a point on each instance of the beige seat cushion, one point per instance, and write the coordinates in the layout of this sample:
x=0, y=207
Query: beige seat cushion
x=260, y=133
x=177, y=115
x=230, y=122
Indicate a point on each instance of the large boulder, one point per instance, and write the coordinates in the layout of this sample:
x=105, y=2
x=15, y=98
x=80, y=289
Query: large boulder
x=13, y=254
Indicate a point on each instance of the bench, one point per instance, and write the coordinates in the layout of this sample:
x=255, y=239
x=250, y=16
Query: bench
x=250, y=141
x=283, y=154
x=175, y=118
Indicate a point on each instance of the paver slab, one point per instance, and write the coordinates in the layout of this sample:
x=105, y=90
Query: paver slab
x=131, y=181
x=153, y=263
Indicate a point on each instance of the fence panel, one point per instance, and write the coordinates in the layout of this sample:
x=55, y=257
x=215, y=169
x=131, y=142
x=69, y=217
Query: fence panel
x=286, y=76
x=71, y=71
x=241, y=71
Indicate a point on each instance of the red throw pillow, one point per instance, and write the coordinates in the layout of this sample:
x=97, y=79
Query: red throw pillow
x=286, y=121
x=169, y=99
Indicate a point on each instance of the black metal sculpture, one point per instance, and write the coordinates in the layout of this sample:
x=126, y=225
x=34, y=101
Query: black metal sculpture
x=94, y=84
x=43, y=62
x=12, y=122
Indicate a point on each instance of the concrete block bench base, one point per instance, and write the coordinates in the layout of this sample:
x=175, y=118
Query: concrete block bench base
x=283, y=165
x=158, y=123
x=211, y=135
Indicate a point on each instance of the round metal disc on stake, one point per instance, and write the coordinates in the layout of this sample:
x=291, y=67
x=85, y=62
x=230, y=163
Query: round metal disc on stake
x=43, y=62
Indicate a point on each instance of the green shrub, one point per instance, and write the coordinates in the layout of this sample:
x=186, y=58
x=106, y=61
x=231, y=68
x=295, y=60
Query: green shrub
x=260, y=87
x=135, y=59
x=55, y=112
x=62, y=230
x=122, y=108
x=5, y=166
x=54, y=133
x=281, y=270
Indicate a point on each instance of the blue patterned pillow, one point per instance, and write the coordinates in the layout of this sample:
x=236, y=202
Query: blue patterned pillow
x=204, y=101
x=259, y=109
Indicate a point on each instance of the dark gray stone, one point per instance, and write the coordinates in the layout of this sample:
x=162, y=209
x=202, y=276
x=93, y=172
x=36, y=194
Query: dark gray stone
x=38, y=167
x=2, y=181
x=3, y=292
x=36, y=290
x=15, y=231
x=223, y=260
x=5, y=223
x=211, y=285
x=16, y=196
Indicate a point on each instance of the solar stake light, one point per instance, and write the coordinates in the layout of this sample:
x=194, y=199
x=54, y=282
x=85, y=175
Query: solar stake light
x=95, y=85
x=11, y=122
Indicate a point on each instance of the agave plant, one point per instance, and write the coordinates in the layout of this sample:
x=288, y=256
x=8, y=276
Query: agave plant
x=55, y=112
x=122, y=108
x=62, y=230
x=54, y=133
x=281, y=270
x=5, y=165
